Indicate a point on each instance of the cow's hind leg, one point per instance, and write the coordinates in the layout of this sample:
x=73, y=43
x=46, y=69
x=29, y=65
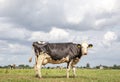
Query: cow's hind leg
x=73, y=66
x=35, y=66
x=39, y=65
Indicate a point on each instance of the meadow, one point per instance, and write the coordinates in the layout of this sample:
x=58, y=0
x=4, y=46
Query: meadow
x=59, y=75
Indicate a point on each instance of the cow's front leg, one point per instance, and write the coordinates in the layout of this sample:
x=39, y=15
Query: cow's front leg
x=75, y=61
x=68, y=68
x=74, y=71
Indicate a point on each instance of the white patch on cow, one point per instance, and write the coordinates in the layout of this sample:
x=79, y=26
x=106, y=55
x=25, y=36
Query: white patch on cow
x=41, y=42
x=45, y=61
x=48, y=59
x=84, y=48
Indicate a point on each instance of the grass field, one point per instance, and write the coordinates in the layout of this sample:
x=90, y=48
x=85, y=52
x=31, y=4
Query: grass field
x=59, y=75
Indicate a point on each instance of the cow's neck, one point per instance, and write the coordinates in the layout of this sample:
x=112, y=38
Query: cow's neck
x=80, y=53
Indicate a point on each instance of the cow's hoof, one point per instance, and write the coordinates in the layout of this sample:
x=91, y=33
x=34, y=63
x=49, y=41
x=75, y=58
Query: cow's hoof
x=74, y=76
x=37, y=76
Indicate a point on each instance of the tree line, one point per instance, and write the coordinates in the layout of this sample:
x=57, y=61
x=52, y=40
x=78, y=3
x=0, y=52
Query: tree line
x=13, y=66
x=102, y=67
x=22, y=66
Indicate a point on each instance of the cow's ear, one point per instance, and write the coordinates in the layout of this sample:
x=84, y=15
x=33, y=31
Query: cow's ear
x=90, y=46
x=78, y=45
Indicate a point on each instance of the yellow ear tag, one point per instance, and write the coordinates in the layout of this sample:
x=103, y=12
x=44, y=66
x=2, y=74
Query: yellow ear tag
x=90, y=46
x=78, y=46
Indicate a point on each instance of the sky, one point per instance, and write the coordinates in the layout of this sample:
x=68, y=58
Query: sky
x=24, y=21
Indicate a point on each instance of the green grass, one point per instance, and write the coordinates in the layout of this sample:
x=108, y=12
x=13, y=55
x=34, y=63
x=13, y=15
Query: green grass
x=58, y=75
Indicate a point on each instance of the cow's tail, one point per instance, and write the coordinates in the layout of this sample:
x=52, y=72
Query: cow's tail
x=30, y=59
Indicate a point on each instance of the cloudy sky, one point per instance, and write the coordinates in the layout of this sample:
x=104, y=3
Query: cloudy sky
x=25, y=21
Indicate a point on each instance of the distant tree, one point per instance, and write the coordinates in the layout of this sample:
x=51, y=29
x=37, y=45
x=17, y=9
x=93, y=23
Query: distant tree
x=21, y=66
x=6, y=66
x=97, y=67
x=1, y=67
x=116, y=66
x=27, y=67
x=87, y=65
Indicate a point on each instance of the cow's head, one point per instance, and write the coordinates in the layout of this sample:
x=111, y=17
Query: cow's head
x=84, y=47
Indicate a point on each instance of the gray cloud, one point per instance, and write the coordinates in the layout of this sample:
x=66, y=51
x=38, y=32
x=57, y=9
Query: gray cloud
x=75, y=15
x=13, y=48
x=35, y=15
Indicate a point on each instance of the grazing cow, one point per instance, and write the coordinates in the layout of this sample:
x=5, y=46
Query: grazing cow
x=12, y=66
x=57, y=53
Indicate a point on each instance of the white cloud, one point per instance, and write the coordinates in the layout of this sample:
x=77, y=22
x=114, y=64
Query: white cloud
x=55, y=34
x=4, y=46
x=58, y=34
x=17, y=48
x=2, y=3
x=100, y=22
x=109, y=37
x=1, y=59
x=12, y=31
x=76, y=10
x=103, y=5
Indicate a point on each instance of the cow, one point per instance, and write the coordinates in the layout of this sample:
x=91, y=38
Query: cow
x=12, y=66
x=57, y=53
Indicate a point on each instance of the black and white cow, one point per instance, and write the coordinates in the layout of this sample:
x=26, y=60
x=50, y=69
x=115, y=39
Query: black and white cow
x=57, y=53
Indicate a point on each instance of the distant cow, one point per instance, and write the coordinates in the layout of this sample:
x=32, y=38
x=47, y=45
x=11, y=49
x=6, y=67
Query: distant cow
x=57, y=53
x=12, y=66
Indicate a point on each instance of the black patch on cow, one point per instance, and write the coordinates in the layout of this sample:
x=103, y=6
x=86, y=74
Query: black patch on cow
x=58, y=51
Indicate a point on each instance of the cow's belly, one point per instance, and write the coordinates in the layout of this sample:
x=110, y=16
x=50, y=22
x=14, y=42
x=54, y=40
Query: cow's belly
x=50, y=60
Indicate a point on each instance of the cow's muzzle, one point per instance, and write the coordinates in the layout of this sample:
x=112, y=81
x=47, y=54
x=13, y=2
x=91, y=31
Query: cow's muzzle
x=85, y=53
